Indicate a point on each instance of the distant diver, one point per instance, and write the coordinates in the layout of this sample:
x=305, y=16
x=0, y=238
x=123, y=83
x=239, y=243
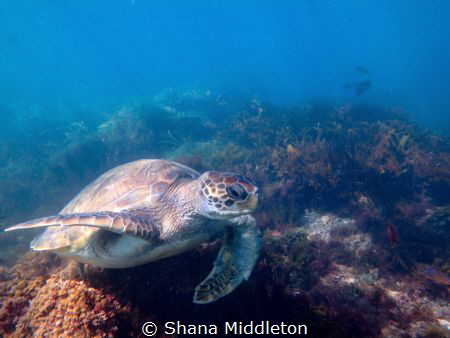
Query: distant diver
x=362, y=70
x=360, y=87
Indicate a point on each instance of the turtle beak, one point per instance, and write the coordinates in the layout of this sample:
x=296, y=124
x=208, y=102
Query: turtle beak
x=252, y=201
x=253, y=195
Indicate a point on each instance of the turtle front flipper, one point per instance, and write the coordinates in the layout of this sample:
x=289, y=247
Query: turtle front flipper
x=133, y=222
x=234, y=262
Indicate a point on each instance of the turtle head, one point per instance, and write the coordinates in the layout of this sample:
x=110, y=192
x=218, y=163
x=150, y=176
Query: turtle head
x=226, y=195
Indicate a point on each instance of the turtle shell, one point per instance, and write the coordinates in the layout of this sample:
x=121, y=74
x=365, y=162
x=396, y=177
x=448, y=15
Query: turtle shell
x=128, y=186
x=131, y=185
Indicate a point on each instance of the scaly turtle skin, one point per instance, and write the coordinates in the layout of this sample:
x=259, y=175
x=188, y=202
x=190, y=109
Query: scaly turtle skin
x=147, y=210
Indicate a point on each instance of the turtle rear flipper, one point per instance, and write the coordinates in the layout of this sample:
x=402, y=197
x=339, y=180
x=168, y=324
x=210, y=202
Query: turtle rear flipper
x=132, y=222
x=53, y=239
x=234, y=262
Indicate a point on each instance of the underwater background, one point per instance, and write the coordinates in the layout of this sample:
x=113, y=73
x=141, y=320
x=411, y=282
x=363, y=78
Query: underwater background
x=338, y=110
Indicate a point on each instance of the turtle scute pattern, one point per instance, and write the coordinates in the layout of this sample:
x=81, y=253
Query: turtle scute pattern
x=130, y=185
x=138, y=224
x=216, y=286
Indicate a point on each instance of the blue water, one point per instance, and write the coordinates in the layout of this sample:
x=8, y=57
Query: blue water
x=84, y=52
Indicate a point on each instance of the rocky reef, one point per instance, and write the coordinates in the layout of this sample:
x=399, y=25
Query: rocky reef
x=355, y=216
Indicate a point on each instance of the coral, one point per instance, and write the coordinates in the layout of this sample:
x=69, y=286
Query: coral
x=438, y=224
x=19, y=285
x=70, y=307
x=337, y=274
x=37, y=300
x=320, y=226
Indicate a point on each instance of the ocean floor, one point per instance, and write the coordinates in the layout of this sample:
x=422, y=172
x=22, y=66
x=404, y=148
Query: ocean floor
x=355, y=213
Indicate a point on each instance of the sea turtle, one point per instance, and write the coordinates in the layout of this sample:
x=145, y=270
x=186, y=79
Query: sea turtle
x=147, y=210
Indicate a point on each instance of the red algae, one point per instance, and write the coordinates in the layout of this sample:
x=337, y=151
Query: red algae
x=47, y=304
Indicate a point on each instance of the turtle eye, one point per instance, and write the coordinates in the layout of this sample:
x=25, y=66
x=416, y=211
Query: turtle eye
x=237, y=192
